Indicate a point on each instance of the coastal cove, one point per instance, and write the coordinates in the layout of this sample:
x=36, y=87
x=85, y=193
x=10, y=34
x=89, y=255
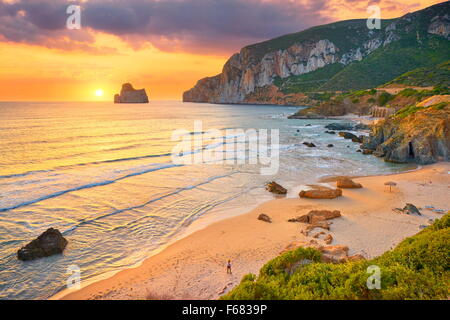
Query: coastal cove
x=194, y=267
x=103, y=176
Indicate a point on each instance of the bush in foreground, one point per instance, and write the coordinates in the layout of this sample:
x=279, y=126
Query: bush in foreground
x=418, y=268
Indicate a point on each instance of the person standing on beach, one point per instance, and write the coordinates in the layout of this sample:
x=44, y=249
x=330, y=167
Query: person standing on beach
x=229, y=267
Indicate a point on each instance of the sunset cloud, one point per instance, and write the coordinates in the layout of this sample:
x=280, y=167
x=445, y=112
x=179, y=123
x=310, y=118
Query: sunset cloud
x=177, y=25
x=162, y=45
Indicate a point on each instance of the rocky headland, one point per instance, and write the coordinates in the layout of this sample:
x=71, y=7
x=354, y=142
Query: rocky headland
x=336, y=57
x=414, y=134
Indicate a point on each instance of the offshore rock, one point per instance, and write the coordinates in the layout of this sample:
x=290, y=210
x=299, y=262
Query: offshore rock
x=130, y=95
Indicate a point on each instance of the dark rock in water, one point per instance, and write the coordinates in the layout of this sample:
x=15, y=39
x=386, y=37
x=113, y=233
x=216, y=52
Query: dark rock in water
x=49, y=243
x=265, y=218
x=298, y=130
x=330, y=145
x=330, y=132
x=308, y=125
x=411, y=209
x=130, y=95
x=275, y=188
x=350, y=136
x=359, y=150
x=309, y=144
x=340, y=126
x=367, y=151
x=361, y=126
x=309, y=117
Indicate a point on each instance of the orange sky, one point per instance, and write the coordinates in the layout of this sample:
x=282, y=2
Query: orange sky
x=35, y=72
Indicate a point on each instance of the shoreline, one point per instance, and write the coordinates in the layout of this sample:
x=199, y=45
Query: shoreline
x=193, y=266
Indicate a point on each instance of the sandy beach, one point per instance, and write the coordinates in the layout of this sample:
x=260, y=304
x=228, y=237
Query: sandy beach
x=195, y=266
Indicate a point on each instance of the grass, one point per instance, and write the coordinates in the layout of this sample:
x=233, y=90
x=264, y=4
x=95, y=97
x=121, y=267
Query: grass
x=418, y=268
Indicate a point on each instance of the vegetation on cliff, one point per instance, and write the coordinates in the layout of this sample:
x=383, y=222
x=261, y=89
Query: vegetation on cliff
x=362, y=101
x=437, y=75
x=389, y=62
x=418, y=268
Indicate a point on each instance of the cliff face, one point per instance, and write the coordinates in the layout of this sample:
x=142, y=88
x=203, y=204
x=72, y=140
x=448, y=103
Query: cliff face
x=306, y=52
x=130, y=95
x=243, y=72
x=422, y=137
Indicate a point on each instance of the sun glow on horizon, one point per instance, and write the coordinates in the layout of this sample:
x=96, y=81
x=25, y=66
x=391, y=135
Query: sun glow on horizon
x=99, y=93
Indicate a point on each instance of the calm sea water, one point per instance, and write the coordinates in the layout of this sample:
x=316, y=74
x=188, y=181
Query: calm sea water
x=102, y=174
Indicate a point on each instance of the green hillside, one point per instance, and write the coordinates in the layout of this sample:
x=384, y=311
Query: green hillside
x=346, y=35
x=387, y=63
x=414, y=48
x=418, y=268
x=437, y=75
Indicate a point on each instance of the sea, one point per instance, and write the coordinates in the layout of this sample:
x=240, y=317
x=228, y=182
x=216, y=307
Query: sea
x=105, y=175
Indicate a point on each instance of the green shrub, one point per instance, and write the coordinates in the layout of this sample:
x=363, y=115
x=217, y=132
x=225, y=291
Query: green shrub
x=406, y=111
x=384, y=98
x=418, y=268
x=408, y=92
x=440, y=106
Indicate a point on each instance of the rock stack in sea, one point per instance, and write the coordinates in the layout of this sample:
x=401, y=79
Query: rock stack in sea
x=130, y=95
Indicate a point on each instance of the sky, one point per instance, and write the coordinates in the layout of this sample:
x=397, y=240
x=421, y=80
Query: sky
x=164, y=46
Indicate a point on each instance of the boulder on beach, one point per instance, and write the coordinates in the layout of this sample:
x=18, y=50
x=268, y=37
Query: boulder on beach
x=411, y=209
x=334, y=254
x=317, y=215
x=323, y=214
x=321, y=193
x=318, y=224
x=302, y=219
x=275, y=188
x=346, y=183
x=264, y=217
x=48, y=243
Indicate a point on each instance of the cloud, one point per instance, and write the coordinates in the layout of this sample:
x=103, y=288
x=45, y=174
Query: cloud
x=188, y=25
x=208, y=26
